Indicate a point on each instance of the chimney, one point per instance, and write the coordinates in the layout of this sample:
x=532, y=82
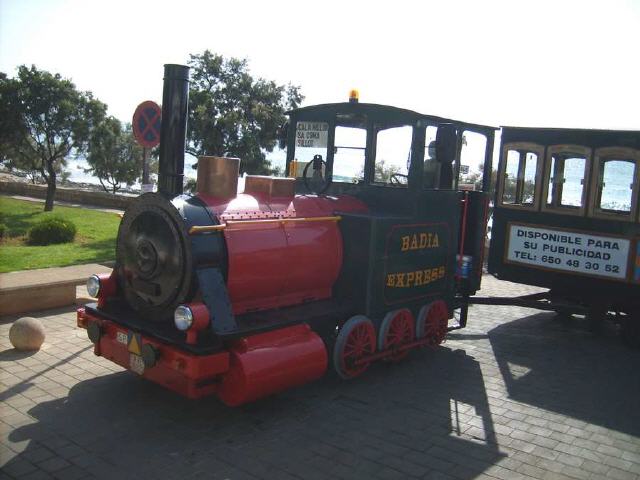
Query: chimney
x=175, y=102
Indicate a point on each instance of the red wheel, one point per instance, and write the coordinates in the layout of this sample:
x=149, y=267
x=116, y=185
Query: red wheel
x=432, y=322
x=357, y=339
x=398, y=328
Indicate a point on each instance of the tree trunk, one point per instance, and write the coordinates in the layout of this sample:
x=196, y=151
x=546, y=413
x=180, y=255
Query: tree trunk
x=51, y=191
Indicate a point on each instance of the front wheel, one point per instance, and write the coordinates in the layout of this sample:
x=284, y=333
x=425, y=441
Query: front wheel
x=356, y=340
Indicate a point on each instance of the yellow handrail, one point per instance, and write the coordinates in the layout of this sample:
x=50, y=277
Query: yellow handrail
x=196, y=229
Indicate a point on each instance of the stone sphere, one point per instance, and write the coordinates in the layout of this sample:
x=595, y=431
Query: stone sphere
x=26, y=333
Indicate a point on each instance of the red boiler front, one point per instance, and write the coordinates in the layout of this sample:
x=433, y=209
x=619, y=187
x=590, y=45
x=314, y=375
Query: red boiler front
x=275, y=263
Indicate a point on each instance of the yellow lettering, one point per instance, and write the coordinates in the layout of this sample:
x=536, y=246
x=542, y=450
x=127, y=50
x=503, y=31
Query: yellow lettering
x=423, y=240
x=390, y=279
x=441, y=272
x=427, y=276
x=410, y=278
x=419, y=278
x=435, y=243
x=405, y=244
x=434, y=274
x=414, y=242
x=400, y=279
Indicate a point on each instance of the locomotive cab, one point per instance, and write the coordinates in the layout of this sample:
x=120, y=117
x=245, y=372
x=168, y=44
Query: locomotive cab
x=403, y=165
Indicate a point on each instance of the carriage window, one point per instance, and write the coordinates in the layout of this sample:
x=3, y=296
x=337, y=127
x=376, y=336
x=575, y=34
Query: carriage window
x=566, y=180
x=519, y=180
x=393, y=150
x=615, y=187
x=349, y=151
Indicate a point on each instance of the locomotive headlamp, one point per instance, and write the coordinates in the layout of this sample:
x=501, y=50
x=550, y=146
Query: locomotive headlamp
x=183, y=318
x=103, y=286
x=192, y=319
x=354, y=96
x=93, y=285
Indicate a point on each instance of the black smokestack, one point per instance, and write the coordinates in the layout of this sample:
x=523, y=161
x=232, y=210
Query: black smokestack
x=175, y=101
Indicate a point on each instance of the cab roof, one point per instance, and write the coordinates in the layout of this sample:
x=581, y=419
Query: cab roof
x=384, y=114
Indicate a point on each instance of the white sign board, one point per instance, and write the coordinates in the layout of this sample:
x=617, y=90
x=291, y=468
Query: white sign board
x=312, y=134
x=572, y=252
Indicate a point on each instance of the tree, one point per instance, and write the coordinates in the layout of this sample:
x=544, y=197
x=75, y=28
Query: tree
x=114, y=155
x=233, y=114
x=49, y=118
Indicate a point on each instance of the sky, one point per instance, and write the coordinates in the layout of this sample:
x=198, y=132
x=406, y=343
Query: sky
x=526, y=63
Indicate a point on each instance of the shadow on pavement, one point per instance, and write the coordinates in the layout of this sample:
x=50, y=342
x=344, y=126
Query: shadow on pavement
x=558, y=365
x=402, y=420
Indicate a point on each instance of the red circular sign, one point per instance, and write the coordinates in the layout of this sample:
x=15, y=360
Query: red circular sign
x=146, y=124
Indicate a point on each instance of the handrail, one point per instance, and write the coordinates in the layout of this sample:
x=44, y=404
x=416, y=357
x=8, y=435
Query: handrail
x=197, y=229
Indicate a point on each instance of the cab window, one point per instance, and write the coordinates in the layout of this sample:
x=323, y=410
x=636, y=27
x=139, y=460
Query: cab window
x=311, y=140
x=566, y=177
x=431, y=166
x=349, y=154
x=472, y=152
x=393, y=150
x=521, y=167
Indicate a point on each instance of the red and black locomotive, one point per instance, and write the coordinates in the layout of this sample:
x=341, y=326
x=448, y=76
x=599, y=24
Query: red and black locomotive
x=363, y=253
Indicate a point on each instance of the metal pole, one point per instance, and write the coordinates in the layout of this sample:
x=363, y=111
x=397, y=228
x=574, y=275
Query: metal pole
x=145, y=165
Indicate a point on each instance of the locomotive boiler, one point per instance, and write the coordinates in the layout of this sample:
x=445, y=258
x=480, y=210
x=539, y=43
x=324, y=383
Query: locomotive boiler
x=247, y=294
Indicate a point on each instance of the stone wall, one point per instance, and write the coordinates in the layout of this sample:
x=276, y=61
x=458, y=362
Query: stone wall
x=65, y=194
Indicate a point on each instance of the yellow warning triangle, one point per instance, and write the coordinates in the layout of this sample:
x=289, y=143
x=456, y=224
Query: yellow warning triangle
x=134, y=346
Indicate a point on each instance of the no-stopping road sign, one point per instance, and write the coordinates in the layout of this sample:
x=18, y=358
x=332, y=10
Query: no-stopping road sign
x=146, y=124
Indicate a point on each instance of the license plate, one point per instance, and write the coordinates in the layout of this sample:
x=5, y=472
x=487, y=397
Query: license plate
x=136, y=364
x=121, y=337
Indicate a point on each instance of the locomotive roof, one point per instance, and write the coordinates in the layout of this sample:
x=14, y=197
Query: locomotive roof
x=387, y=113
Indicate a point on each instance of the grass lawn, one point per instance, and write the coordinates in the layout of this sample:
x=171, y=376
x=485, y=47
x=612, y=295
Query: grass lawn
x=95, y=238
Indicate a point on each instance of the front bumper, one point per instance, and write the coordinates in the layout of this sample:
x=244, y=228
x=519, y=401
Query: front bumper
x=186, y=373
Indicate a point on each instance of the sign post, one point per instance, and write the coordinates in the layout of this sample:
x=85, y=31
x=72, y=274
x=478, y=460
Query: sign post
x=146, y=130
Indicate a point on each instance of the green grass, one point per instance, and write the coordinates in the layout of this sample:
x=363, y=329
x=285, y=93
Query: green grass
x=94, y=242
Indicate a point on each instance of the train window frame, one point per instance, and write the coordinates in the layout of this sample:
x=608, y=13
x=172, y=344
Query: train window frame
x=580, y=150
x=529, y=147
x=600, y=157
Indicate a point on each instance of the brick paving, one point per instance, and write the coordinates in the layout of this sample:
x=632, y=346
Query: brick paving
x=518, y=394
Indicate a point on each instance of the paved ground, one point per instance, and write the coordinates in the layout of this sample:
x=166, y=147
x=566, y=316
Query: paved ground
x=518, y=394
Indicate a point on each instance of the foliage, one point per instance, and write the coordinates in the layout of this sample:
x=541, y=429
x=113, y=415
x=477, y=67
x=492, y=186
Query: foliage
x=51, y=230
x=384, y=172
x=95, y=239
x=114, y=155
x=44, y=119
x=233, y=114
x=3, y=230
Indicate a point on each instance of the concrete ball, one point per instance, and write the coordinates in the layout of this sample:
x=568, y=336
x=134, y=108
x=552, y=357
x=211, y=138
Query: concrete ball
x=26, y=333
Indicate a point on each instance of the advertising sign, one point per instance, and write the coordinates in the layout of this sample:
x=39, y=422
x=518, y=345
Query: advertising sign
x=312, y=134
x=568, y=251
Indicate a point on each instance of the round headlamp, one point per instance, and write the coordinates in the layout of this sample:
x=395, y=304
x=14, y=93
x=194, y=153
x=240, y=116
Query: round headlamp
x=183, y=318
x=93, y=286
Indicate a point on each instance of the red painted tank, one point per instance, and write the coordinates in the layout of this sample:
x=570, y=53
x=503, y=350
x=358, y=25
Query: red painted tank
x=271, y=362
x=272, y=265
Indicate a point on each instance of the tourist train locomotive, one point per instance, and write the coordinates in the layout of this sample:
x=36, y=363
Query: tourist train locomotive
x=244, y=295
x=343, y=263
